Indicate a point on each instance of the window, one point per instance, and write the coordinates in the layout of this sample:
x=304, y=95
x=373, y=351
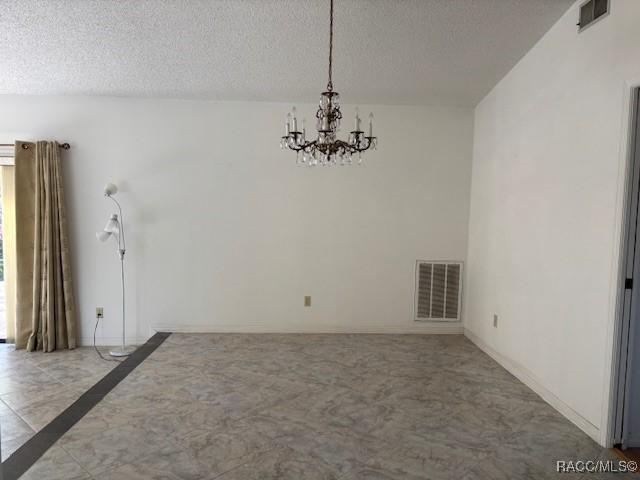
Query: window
x=7, y=245
x=591, y=11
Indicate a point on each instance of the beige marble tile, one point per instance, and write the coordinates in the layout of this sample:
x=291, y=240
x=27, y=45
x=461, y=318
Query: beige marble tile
x=11, y=445
x=309, y=407
x=107, y=449
x=100, y=419
x=56, y=464
x=282, y=464
x=83, y=375
x=14, y=431
x=23, y=378
x=11, y=424
x=38, y=386
x=225, y=448
x=37, y=407
x=176, y=465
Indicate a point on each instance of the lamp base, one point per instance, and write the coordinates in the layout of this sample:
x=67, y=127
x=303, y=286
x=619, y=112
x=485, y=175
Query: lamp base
x=122, y=351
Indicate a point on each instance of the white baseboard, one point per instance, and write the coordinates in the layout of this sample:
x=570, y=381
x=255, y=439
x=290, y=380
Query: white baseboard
x=110, y=341
x=421, y=328
x=534, y=384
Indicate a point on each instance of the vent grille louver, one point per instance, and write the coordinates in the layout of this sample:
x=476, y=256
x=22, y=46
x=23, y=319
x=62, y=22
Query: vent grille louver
x=453, y=291
x=438, y=290
x=424, y=289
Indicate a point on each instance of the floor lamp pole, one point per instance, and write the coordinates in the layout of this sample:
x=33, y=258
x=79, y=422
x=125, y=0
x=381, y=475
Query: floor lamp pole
x=124, y=351
x=123, y=300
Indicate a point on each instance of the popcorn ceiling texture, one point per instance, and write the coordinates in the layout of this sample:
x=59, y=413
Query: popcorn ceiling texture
x=396, y=52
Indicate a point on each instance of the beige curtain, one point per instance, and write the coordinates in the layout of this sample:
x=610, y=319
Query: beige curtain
x=9, y=248
x=45, y=310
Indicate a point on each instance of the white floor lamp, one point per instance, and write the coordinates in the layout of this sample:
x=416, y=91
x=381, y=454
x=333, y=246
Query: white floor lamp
x=115, y=228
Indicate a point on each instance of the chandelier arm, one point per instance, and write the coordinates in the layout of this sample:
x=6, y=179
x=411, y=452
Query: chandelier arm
x=365, y=146
x=361, y=145
x=291, y=142
x=309, y=147
x=343, y=144
x=297, y=148
x=368, y=144
x=357, y=147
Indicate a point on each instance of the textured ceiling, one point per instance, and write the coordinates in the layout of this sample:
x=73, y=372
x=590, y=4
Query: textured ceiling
x=447, y=52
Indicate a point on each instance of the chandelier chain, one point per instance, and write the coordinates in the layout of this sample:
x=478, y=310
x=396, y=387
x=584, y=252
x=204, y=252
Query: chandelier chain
x=330, y=84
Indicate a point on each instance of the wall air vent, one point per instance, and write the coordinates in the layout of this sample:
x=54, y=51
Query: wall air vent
x=438, y=291
x=591, y=11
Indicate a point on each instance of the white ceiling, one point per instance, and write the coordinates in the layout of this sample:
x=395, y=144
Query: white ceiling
x=386, y=51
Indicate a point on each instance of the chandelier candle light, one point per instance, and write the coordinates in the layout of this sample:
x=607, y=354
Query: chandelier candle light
x=327, y=149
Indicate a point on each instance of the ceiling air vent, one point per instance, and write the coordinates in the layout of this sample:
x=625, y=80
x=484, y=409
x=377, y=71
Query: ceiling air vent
x=591, y=11
x=438, y=291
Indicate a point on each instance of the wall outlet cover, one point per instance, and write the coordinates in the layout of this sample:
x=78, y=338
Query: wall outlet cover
x=307, y=300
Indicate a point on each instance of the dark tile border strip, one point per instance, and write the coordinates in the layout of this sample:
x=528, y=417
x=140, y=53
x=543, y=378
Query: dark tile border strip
x=23, y=459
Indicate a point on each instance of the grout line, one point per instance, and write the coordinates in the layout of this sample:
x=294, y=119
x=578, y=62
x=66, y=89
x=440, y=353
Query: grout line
x=55, y=382
x=30, y=452
x=67, y=384
x=18, y=415
x=74, y=459
x=37, y=365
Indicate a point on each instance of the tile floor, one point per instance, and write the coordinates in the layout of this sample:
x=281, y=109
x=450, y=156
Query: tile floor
x=36, y=387
x=348, y=407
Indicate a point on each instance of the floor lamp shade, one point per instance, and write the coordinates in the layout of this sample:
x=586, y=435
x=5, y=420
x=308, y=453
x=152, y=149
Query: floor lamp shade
x=110, y=189
x=111, y=228
x=103, y=236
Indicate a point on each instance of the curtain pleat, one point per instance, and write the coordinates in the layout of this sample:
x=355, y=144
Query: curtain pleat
x=45, y=317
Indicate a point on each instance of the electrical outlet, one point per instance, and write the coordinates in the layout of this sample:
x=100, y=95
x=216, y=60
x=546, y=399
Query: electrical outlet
x=495, y=321
x=99, y=312
x=307, y=300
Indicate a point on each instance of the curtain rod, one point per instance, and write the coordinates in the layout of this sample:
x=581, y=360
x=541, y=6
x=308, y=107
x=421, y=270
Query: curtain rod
x=64, y=146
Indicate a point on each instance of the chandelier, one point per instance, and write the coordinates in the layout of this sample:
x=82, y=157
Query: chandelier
x=326, y=148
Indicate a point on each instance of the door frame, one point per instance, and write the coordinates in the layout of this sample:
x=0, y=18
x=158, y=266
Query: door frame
x=627, y=304
x=617, y=329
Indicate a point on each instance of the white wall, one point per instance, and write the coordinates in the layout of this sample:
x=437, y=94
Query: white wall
x=548, y=181
x=227, y=234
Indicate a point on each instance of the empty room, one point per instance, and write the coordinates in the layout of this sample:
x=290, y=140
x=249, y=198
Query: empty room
x=319, y=239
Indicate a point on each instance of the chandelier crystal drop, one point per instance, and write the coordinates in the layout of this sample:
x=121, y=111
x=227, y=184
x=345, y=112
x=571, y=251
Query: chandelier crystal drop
x=326, y=148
